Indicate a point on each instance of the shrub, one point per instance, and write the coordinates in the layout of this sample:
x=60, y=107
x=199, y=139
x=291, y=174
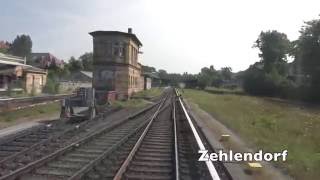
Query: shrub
x=258, y=82
x=51, y=87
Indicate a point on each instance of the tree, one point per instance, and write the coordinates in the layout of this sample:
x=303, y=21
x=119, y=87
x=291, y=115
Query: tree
x=21, y=46
x=226, y=73
x=204, y=80
x=163, y=74
x=307, y=55
x=87, y=61
x=274, y=47
x=209, y=77
x=75, y=65
x=269, y=76
x=148, y=69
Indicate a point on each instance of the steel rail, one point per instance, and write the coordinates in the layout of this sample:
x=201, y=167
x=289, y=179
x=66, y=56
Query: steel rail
x=35, y=164
x=22, y=133
x=42, y=142
x=175, y=141
x=96, y=161
x=126, y=163
x=210, y=166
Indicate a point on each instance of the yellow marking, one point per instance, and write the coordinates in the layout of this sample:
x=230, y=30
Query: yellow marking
x=254, y=165
x=224, y=137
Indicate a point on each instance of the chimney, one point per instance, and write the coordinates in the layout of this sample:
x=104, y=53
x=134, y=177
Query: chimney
x=130, y=30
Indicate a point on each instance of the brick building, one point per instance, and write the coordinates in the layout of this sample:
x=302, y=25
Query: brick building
x=16, y=75
x=115, y=62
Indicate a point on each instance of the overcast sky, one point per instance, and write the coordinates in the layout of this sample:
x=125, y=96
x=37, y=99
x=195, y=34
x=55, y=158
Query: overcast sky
x=177, y=35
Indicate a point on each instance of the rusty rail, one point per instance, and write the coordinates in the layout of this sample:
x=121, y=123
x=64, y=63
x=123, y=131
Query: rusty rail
x=24, y=102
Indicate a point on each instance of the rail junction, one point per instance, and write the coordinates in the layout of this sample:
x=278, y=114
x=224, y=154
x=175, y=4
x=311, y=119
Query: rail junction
x=160, y=141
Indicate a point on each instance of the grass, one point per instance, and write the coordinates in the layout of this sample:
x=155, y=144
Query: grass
x=131, y=103
x=32, y=112
x=138, y=99
x=153, y=92
x=215, y=90
x=270, y=126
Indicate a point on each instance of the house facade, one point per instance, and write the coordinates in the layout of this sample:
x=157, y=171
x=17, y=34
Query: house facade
x=115, y=62
x=16, y=75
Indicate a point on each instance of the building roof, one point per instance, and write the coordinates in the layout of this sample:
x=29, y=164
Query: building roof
x=18, y=61
x=130, y=35
x=87, y=73
x=29, y=68
x=78, y=76
x=14, y=59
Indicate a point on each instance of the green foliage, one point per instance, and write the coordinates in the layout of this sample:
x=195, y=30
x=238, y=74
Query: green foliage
x=307, y=54
x=150, y=93
x=258, y=82
x=209, y=77
x=269, y=124
x=274, y=47
x=87, y=61
x=162, y=74
x=52, y=86
x=84, y=62
x=21, y=46
x=225, y=90
x=30, y=112
x=75, y=64
x=204, y=80
x=148, y=69
x=3, y=50
x=226, y=73
x=269, y=76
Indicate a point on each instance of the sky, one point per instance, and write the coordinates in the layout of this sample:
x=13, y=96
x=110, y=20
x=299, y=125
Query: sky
x=177, y=35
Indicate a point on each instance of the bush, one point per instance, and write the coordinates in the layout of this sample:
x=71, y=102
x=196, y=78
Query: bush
x=258, y=82
x=51, y=87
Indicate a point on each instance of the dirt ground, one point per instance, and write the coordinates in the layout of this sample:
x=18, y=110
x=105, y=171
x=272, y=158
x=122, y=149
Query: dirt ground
x=22, y=120
x=7, y=128
x=213, y=129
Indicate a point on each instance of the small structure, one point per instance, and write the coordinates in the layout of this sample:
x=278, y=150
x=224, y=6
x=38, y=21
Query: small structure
x=4, y=45
x=76, y=80
x=85, y=97
x=45, y=60
x=151, y=80
x=16, y=75
x=115, y=62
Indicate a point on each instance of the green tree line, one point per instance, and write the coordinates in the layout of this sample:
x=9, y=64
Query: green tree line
x=286, y=69
x=274, y=76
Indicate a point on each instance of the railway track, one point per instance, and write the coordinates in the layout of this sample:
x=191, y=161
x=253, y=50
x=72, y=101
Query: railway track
x=24, y=102
x=161, y=142
x=27, y=138
x=152, y=155
x=38, y=142
x=67, y=161
x=22, y=149
x=168, y=149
